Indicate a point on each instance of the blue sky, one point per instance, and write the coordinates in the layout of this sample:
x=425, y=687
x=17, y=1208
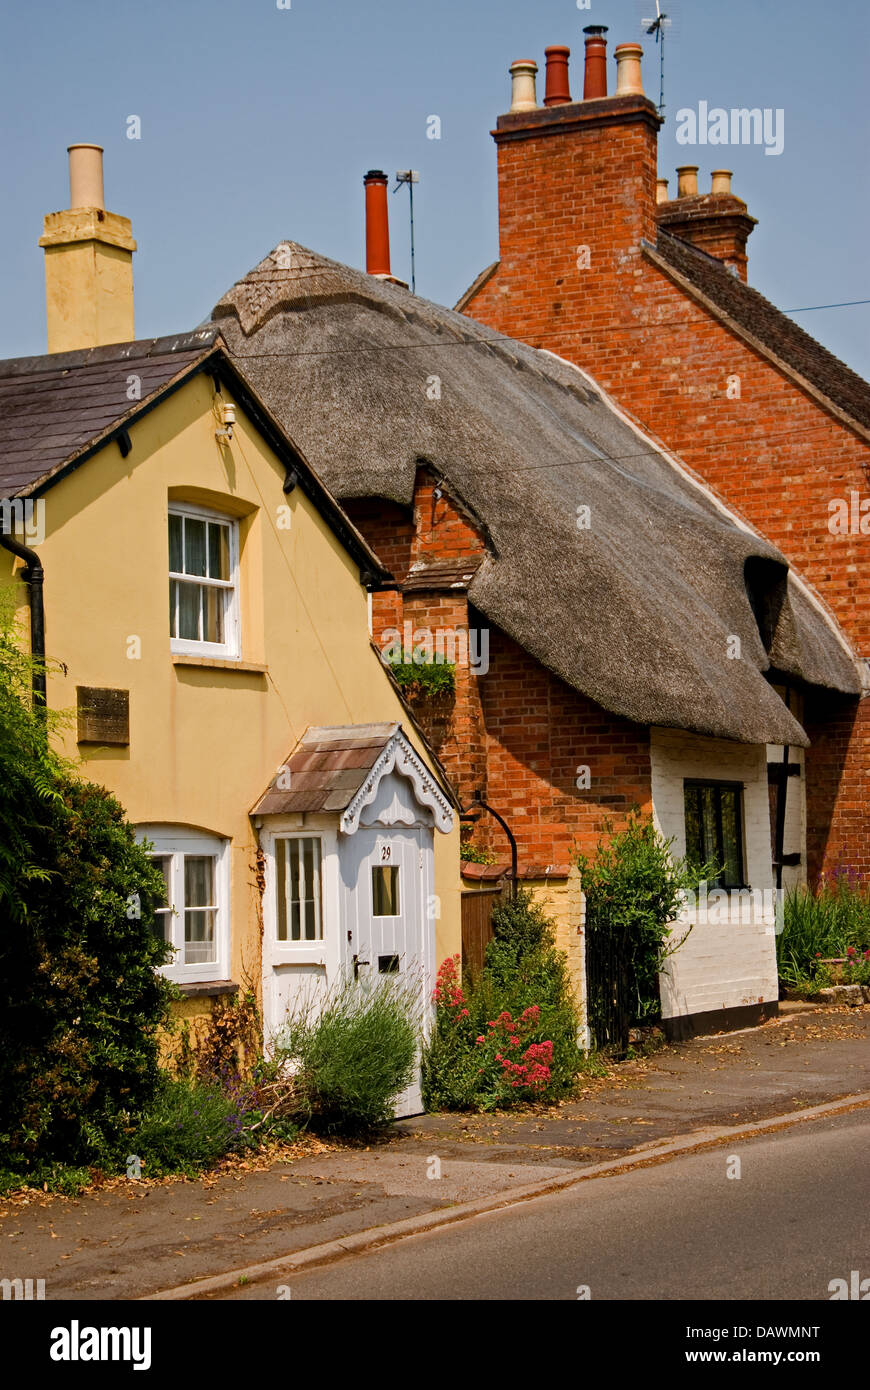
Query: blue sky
x=258, y=124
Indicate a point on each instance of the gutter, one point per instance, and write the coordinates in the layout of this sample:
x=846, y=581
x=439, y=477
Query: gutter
x=33, y=575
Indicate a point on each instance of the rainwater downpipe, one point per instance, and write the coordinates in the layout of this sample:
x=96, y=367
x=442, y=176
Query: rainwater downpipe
x=33, y=575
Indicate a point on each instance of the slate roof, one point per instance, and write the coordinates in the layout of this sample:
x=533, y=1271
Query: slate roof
x=738, y=304
x=54, y=407
x=634, y=612
x=58, y=410
x=326, y=769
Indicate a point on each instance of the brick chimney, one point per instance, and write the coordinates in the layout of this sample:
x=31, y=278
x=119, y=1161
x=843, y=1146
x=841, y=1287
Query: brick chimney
x=577, y=196
x=377, y=225
x=88, y=263
x=716, y=222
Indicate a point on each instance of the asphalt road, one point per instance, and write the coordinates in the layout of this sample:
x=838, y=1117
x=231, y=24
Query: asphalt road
x=795, y=1219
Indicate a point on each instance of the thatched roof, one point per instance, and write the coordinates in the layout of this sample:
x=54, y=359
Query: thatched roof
x=634, y=612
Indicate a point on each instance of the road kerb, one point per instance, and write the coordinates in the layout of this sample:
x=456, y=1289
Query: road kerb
x=378, y=1236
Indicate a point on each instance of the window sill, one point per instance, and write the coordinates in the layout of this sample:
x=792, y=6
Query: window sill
x=209, y=988
x=220, y=663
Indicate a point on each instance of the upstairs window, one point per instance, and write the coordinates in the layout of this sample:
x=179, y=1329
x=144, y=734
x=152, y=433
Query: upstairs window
x=714, y=829
x=203, y=582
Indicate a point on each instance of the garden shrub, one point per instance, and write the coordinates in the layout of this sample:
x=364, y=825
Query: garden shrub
x=511, y=1035
x=634, y=889
x=80, y=999
x=187, y=1127
x=353, y=1052
x=819, y=925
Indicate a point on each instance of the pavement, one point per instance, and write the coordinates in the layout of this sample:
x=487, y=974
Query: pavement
x=782, y=1225
x=135, y=1240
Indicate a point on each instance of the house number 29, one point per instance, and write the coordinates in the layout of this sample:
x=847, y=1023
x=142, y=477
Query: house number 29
x=386, y=853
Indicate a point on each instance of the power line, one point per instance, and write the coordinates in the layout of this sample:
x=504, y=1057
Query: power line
x=846, y=304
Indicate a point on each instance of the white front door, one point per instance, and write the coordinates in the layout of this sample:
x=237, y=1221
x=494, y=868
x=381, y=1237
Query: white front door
x=387, y=875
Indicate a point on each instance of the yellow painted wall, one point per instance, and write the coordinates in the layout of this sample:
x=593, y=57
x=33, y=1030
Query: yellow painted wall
x=205, y=742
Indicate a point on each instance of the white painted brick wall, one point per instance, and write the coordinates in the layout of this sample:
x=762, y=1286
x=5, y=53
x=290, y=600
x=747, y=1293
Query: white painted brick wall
x=720, y=965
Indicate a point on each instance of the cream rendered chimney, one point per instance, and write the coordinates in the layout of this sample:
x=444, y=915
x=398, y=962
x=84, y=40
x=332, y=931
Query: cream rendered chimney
x=88, y=263
x=687, y=186
x=525, y=97
x=628, y=77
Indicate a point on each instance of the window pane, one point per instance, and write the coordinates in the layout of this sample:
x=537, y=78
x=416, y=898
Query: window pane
x=162, y=905
x=198, y=881
x=194, y=547
x=199, y=937
x=176, y=545
x=298, y=877
x=214, y=615
x=218, y=551
x=200, y=914
x=694, y=839
x=281, y=875
x=732, y=875
x=385, y=890
x=710, y=825
x=189, y=602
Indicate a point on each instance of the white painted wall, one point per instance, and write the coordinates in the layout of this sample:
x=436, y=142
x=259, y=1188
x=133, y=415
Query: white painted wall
x=721, y=964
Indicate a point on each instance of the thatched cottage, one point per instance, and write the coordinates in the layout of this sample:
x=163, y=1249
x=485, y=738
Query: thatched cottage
x=621, y=637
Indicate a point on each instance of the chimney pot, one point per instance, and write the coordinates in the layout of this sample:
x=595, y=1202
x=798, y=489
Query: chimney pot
x=722, y=180
x=628, y=77
x=86, y=176
x=688, y=181
x=377, y=224
x=524, y=96
x=661, y=190
x=558, y=82
x=595, y=74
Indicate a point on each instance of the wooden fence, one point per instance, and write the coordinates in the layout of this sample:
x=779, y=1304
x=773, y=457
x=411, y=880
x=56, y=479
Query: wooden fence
x=477, y=909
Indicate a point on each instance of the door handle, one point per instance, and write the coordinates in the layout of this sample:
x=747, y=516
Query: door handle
x=356, y=965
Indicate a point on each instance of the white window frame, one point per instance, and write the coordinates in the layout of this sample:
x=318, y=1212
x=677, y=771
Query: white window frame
x=168, y=842
x=230, y=648
x=326, y=951
x=309, y=943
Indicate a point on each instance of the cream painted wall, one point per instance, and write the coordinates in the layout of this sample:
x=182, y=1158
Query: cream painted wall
x=721, y=964
x=206, y=741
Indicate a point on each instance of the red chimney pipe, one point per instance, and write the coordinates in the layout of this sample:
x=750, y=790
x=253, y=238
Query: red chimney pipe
x=595, y=76
x=558, y=84
x=377, y=223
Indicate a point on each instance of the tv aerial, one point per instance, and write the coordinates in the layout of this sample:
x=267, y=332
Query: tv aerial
x=659, y=26
x=409, y=177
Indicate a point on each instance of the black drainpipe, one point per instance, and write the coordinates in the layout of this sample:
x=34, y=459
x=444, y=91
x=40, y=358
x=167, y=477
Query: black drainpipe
x=782, y=793
x=478, y=800
x=33, y=575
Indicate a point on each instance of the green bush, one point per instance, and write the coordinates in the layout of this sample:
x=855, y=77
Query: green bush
x=821, y=924
x=633, y=888
x=511, y=1036
x=353, y=1053
x=188, y=1126
x=425, y=680
x=80, y=999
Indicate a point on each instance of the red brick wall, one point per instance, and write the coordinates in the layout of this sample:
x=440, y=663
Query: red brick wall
x=773, y=454
x=517, y=734
x=539, y=732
